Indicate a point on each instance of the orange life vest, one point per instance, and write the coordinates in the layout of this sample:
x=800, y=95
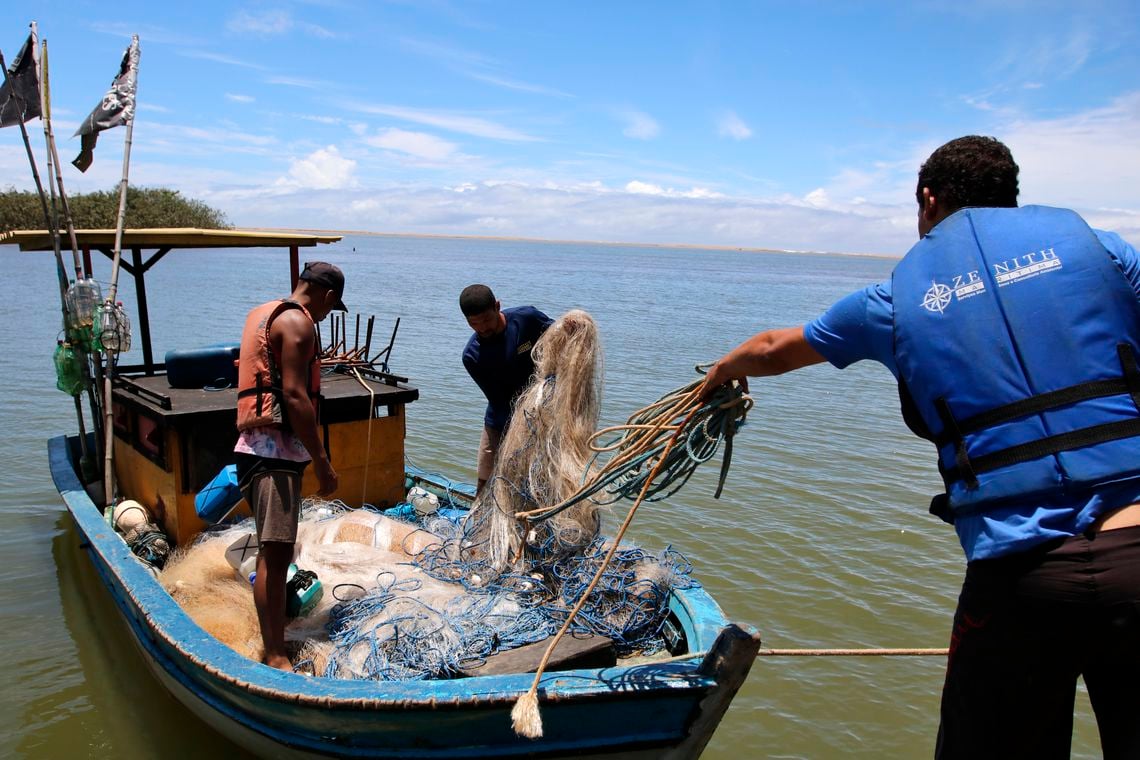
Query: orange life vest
x=260, y=399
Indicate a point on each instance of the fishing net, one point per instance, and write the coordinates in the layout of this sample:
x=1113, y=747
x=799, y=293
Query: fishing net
x=543, y=455
x=414, y=596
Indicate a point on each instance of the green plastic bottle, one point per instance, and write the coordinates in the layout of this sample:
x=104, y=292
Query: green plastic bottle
x=68, y=370
x=112, y=328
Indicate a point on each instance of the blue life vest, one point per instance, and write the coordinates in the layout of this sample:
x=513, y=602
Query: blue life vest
x=1016, y=337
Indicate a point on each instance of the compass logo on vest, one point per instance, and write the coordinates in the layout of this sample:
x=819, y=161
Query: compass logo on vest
x=937, y=298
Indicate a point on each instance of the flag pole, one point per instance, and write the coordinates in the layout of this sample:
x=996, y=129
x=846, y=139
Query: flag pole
x=85, y=461
x=53, y=160
x=60, y=269
x=116, y=257
x=49, y=220
x=121, y=222
x=53, y=221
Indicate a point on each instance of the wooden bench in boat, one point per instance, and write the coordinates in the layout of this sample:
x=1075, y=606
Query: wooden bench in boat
x=580, y=651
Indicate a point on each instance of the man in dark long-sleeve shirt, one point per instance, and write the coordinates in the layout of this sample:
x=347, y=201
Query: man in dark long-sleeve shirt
x=498, y=359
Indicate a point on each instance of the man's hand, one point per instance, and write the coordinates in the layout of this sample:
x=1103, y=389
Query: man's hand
x=327, y=477
x=772, y=352
x=720, y=374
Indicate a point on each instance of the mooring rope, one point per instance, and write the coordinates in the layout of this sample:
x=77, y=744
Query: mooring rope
x=853, y=652
x=368, y=445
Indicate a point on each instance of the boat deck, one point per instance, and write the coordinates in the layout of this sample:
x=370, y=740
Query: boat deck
x=342, y=397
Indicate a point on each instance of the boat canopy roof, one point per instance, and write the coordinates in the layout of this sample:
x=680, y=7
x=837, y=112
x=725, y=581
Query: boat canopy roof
x=158, y=242
x=168, y=238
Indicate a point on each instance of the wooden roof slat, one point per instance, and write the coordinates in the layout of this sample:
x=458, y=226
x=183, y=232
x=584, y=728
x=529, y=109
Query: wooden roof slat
x=174, y=237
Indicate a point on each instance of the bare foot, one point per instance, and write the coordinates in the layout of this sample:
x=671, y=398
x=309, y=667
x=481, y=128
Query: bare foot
x=279, y=662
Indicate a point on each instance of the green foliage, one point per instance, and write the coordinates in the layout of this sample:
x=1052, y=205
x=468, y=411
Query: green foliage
x=146, y=207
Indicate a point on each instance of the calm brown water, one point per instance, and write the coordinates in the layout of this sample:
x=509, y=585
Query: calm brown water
x=821, y=539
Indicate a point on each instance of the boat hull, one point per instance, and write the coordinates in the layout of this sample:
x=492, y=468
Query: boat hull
x=662, y=709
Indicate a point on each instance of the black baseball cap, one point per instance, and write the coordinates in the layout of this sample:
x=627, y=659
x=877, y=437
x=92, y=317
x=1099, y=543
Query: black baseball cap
x=326, y=275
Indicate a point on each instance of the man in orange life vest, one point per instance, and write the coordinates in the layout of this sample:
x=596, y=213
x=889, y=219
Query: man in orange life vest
x=279, y=379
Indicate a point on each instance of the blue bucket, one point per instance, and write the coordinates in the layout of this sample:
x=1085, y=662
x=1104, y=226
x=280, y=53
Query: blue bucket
x=219, y=496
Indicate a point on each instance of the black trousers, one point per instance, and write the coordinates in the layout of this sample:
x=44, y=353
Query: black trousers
x=1027, y=626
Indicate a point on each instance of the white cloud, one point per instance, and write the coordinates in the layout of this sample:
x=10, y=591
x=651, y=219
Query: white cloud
x=1086, y=160
x=304, y=82
x=272, y=22
x=452, y=122
x=590, y=214
x=473, y=65
x=229, y=60
x=638, y=125
x=265, y=23
x=514, y=84
x=149, y=33
x=644, y=188
x=221, y=134
x=237, y=98
x=317, y=30
x=419, y=144
x=817, y=198
x=324, y=169
x=1047, y=57
x=731, y=125
x=638, y=187
x=447, y=54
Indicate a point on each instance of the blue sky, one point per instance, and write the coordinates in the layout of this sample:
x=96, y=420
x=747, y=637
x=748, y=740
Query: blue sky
x=783, y=125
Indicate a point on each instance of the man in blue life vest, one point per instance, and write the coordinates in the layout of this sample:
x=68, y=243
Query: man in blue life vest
x=279, y=379
x=498, y=359
x=1014, y=335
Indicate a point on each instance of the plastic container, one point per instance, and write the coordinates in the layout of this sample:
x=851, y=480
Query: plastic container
x=219, y=496
x=242, y=549
x=82, y=297
x=212, y=366
x=111, y=329
x=69, y=376
x=424, y=502
x=248, y=569
x=303, y=590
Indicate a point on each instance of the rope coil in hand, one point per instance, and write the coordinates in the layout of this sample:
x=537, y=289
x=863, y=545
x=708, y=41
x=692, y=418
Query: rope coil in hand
x=661, y=443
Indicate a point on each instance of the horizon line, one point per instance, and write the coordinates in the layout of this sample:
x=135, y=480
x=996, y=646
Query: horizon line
x=521, y=239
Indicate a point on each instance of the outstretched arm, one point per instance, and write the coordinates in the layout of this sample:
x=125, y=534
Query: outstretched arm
x=772, y=352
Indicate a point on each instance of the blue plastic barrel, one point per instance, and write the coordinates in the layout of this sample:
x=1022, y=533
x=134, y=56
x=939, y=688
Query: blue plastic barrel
x=211, y=366
x=219, y=496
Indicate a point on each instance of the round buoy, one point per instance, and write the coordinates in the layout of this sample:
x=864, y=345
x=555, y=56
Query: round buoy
x=129, y=514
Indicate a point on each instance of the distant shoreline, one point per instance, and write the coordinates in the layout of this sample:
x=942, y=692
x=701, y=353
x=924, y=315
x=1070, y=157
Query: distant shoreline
x=437, y=236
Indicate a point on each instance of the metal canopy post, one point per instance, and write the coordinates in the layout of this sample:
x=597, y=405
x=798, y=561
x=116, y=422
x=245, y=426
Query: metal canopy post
x=143, y=312
x=137, y=269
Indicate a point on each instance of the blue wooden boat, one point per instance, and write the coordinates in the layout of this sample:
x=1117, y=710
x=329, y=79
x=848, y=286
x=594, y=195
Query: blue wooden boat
x=166, y=441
